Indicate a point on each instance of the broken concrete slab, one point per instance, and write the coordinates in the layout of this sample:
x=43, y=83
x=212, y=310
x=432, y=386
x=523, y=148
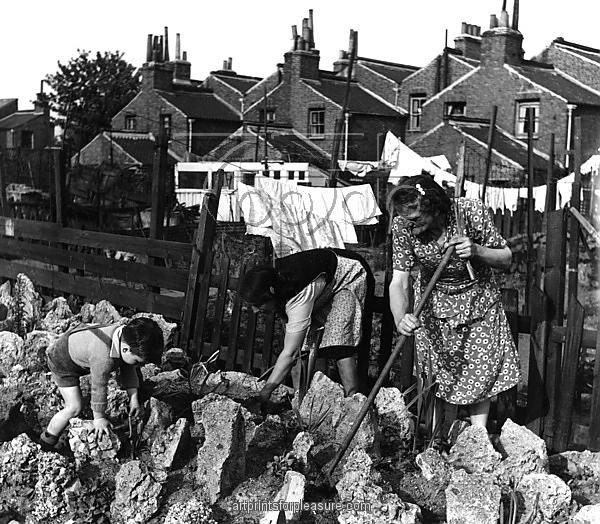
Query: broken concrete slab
x=105, y=313
x=291, y=495
x=11, y=351
x=242, y=387
x=221, y=461
x=137, y=494
x=524, y=452
x=328, y=415
x=546, y=496
x=162, y=415
x=192, y=511
x=395, y=421
x=366, y=502
x=434, y=467
x=583, y=464
x=472, y=498
x=85, y=446
x=170, y=444
x=474, y=452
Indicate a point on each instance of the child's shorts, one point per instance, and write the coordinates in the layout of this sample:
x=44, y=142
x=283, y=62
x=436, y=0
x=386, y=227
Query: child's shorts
x=65, y=372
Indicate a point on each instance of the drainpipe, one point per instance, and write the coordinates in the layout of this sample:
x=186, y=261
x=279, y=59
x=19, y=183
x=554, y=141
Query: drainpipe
x=190, y=132
x=347, y=116
x=397, y=93
x=570, y=109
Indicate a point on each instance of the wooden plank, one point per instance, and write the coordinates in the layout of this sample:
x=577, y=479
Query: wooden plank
x=95, y=289
x=569, y=376
x=49, y=232
x=159, y=175
x=387, y=327
x=202, y=245
x=249, y=343
x=537, y=398
x=588, y=337
x=234, y=330
x=220, y=306
x=109, y=268
x=594, y=441
x=573, y=276
x=554, y=287
x=202, y=309
x=507, y=400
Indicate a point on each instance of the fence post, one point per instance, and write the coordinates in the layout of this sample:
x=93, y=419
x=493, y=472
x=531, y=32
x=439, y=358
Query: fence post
x=573, y=223
x=530, y=208
x=554, y=287
x=3, y=202
x=59, y=186
x=159, y=175
x=203, y=241
x=594, y=443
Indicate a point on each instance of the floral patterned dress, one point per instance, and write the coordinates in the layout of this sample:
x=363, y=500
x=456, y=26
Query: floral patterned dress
x=464, y=336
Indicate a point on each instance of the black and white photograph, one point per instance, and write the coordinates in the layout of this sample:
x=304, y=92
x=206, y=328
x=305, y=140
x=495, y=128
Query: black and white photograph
x=305, y=263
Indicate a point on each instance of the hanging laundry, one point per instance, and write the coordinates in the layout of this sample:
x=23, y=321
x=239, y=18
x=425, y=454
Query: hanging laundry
x=357, y=167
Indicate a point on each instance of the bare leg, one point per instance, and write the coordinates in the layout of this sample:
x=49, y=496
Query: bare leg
x=73, y=406
x=348, y=375
x=479, y=413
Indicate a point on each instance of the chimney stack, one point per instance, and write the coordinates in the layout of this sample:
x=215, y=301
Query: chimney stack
x=469, y=42
x=149, y=49
x=515, y=22
x=166, y=43
x=311, y=29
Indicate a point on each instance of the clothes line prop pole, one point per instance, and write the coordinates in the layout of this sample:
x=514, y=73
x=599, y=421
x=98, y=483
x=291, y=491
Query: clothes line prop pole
x=388, y=366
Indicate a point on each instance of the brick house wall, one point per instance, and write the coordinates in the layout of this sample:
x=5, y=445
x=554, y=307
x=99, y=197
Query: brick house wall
x=585, y=71
x=367, y=135
x=99, y=150
x=480, y=92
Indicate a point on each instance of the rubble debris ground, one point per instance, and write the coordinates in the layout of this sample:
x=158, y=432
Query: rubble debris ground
x=212, y=455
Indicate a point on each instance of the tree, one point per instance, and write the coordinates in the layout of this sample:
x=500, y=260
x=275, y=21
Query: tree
x=88, y=91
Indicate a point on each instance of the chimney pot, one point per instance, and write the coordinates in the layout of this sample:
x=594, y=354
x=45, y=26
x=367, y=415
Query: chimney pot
x=177, y=46
x=224, y=65
x=149, y=49
x=230, y=64
x=515, y=22
x=493, y=21
x=463, y=28
x=477, y=30
x=311, y=26
x=161, y=55
x=166, y=42
x=185, y=56
x=504, y=19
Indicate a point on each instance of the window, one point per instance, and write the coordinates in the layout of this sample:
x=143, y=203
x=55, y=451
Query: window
x=415, y=106
x=193, y=179
x=130, y=123
x=301, y=175
x=165, y=122
x=455, y=109
x=521, y=118
x=316, y=123
x=27, y=139
x=270, y=115
x=276, y=175
x=290, y=175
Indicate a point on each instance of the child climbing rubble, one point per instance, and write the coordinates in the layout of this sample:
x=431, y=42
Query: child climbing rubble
x=98, y=350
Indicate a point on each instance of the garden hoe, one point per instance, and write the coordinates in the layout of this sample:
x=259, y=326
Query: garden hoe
x=388, y=365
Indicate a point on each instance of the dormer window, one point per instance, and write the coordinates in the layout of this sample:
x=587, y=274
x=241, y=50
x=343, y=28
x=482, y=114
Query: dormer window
x=452, y=109
x=521, y=118
x=130, y=123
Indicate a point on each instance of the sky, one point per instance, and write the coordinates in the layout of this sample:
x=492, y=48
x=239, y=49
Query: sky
x=35, y=35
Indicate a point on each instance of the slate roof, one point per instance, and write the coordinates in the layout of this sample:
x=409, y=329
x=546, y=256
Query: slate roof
x=590, y=53
x=203, y=104
x=391, y=70
x=504, y=144
x=140, y=146
x=240, y=82
x=556, y=82
x=360, y=101
x=18, y=119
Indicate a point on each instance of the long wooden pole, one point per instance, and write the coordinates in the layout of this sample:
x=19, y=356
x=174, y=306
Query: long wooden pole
x=530, y=208
x=159, y=175
x=333, y=167
x=388, y=366
x=573, y=223
x=490, y=149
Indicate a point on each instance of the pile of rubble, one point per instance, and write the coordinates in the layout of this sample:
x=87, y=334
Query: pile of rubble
x=207, y=451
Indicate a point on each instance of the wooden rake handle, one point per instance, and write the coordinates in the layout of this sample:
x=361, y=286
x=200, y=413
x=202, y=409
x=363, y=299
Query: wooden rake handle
x=388, y=365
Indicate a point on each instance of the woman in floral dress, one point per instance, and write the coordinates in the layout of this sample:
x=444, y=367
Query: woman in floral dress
x=462, y=330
